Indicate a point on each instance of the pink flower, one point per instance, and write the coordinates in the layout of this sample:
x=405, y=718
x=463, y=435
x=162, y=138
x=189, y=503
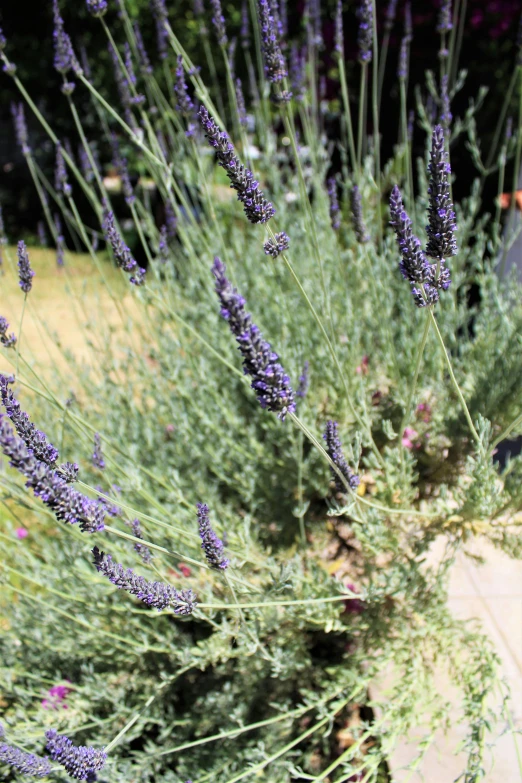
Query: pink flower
x=21, y=532
x=424, y=412
x=185, y=570
x=362, y=369
x=408, y=438
x=353, y=605
x=57, y=695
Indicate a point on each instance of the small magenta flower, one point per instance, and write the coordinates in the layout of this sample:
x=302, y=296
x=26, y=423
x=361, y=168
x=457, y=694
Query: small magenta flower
x=7, y=340
x=25, y=273
x=122, y=254
x=335, y=452
x=269, y=380
x=365, y=34
x=157, y=595
x=211, y=544
x=257, y=208
x=80, y=761
x=96, y=7
x=274, y=61
x=21, y=533
x=335, y=213
x=409, y=439
x=277, y=245
x=25, y=763
x=56, y=698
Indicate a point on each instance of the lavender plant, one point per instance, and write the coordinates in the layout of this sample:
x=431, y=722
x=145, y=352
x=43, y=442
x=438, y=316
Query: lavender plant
x=312, y=590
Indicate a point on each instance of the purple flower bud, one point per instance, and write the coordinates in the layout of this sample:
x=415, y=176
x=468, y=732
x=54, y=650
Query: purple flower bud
x=445, y=107
x=211, y=544
x=335, y=213
x=339, y=34
x=159, y=11
x=25, y=273
x=171, y=221
x=304, y=381
x=357, y=216
x=64, y=57
x=441, y=227
x=240, y=99
x=257, y=208
x=277, y=245
x=97, y=455
x=274, y=61
x=218, y=20
x=269, y=380
x=7, y=340
x=81, y=762
x=297, y=73
x=143, y=551
x=157, y=595
x=60, y=175
x=335, y=452
x=445, y=24
x=25, y=763
x=184, y=104
x=96, y=7
x=122, y=254
x=3, y=41
x=145, y=65
x=18, y=114
x=9, y=69
x=408, y=24
x=245, y=26
x=390, y=15
x=402, y=68
x=365, y=34
x=35, y=440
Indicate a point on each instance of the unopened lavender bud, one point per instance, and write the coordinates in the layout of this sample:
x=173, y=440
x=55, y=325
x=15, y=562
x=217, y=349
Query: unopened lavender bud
x=274, y=61
x=408, y=23
x=413, y=265
x=339, y=34
x=79, y=761
x=35, y=440
x=245, y=26
x=277, y=245
x=143, y=551
x=18, y=114
x=445, y=108
x=297, y=73
x=97, y=455
x=335, y=452
x=445, y=24
x=3, y=41
x=304, y=381
x=9, y=69
x=96, y=7
x=240, y=99
x=61, y=182
x=365, y=34
x=402, y=68
x=357, y=216
x=159, y=11
x=122, y=254
x=218, y=20
x=64, y=57
x=184, y=102
x=143, y=56
x=25, y=273
x=269, y=380
x=157, y=595
x=257, y=208
x=441, y=227
x=389, y=19
x=211, y=544
x=7, y=340
x=335, y=213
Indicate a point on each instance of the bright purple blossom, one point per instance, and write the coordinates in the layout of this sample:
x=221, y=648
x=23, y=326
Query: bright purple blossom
x=441, y=227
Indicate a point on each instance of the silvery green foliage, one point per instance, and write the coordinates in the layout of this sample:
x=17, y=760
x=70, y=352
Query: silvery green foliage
x=219, y=694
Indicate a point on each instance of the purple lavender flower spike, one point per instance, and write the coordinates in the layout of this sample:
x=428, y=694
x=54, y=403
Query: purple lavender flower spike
x=257, y=208
x=445, y=23
x=129, y=65
x=159, y=11
x=365, y=34
x=445, y=106
x=80, y=761
x=96, y=7
x=339, y=34
x=304, y=381
x=218, y=20
x=97, y=455
x=441, y=227
x=143, y=551
x=64, y=57
x=61, y=182
x=7, y=340
x=25, y=763
x=69, y=471
x=211, y=544
x=276, y=246
x=3, y=41
x=36, y=441
x=244, y=35
x=390, y=15
x=297, y=73
x=240, y=99
x=25, y=273
x=157, y=595
x=143, y=56
x=67, y=504
x=414, y=265
x=269, y=380
x=274, y=61
x=18, y=113
x=335, y=452
x=42, y=235
x=402, y=68
x=122, y=254
x=315, y=28
x=357, y=216
x=185, y=105
x=335, y=213
x=171, y=221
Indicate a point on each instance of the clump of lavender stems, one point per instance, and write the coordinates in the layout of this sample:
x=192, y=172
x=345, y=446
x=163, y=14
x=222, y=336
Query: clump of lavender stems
x=80, y=761
x=256, y=206
x=157, y=595
x=335, y=452
x=269, y=380
x=211, y=544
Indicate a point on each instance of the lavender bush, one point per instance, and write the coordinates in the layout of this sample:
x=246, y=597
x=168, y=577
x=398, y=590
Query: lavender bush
x=268, y=482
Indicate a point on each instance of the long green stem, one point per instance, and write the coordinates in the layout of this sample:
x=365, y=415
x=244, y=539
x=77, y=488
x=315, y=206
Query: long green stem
x=19, y=339
x=362, y=115
x=418, y=363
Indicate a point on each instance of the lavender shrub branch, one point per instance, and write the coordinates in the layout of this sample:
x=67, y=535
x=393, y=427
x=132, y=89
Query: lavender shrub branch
x=157, y=595
x=269, y=380
x=256, y=206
